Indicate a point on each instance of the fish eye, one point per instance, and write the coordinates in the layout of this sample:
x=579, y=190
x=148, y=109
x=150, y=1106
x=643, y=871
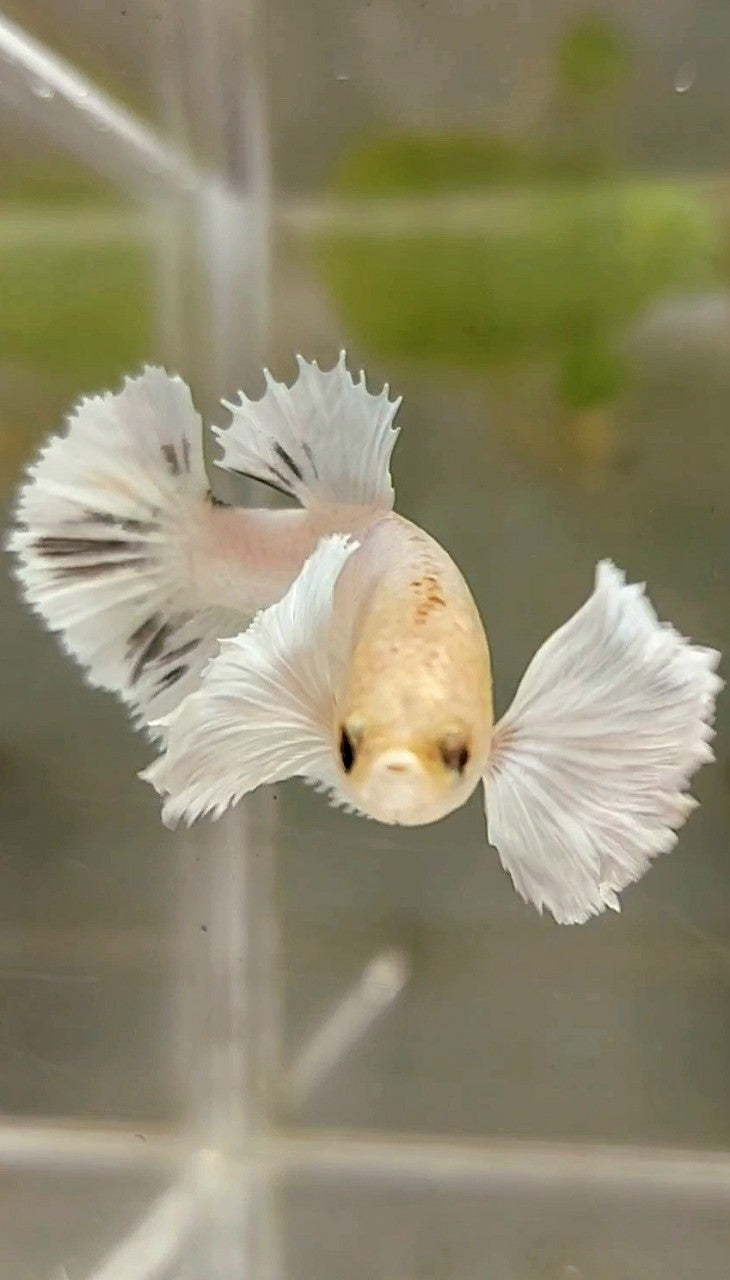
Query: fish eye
x=347, y=750
x=455, y=754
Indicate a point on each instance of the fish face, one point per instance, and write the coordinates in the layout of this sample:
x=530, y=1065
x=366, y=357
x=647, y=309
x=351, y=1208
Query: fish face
x=406, y=779
x=412, y=716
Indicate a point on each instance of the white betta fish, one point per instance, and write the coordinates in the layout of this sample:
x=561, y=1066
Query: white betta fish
x=366, y=668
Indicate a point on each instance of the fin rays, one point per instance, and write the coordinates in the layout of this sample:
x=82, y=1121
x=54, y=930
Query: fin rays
x=101, y=524
x=264, y=708
x=591, y=764
x=324, y=439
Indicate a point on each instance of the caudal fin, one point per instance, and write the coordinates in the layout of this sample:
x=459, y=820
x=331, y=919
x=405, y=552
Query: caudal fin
x=104, y=526
x=325, y=439
x=592, y=763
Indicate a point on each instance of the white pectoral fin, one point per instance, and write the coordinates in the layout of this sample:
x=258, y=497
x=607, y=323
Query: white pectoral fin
x=591, y=765
x=264, y=709
x=324, y=439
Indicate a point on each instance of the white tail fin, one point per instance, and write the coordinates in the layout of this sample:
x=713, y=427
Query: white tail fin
x=591, y=764
x=103, y=530
x=325, y=439
x=265, y=706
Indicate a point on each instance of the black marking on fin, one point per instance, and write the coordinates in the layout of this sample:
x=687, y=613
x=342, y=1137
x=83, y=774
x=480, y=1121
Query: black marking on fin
x=281, y=478
x=139, y=526
x=217, y=502
x=53, y=545
x=171, y=677
x=98, y=517
x=152, y=649
x=96, y=569
x=171, y=458
x=186, y=452
x=180, y=650
x=310, y=456
x=270, y=484
x=128, y=525
x=288, y=461
x=143, y=633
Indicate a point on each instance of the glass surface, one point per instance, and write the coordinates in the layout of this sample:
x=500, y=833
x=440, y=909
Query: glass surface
x=295, y=1044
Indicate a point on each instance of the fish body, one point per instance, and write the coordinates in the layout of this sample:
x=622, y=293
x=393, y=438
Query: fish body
x=414, y=704
x=338, y=642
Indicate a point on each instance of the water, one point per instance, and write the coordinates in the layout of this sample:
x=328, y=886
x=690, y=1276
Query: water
x=297, y=1044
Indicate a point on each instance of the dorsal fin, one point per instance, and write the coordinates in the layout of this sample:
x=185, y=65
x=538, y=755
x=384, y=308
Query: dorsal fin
x=325, y=439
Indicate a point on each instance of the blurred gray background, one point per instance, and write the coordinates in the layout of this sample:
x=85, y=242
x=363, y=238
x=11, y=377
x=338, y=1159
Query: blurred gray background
x=562, y=347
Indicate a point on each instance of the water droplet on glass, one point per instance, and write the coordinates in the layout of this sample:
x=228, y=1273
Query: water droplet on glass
x=684, y=77
x=42, y=90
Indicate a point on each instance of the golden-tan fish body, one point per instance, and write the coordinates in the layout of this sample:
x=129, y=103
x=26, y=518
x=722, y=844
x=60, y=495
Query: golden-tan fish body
x=413, y=716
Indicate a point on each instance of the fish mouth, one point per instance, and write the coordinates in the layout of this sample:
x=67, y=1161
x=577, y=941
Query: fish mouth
x=396, y=784
x=401, y=791
x=399, y=786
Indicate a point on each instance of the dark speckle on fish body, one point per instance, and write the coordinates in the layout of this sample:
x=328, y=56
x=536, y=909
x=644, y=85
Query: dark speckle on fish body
x=429, y=595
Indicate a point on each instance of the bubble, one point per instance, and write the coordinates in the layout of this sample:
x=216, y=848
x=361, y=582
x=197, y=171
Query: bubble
x=684, y=77
x=42, y=90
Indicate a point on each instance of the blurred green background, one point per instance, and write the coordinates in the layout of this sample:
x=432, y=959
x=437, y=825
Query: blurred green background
x=523, y=256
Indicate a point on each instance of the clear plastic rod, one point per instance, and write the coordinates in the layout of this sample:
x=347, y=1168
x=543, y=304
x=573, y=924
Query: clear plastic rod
x=69, y=108
x=378, y=987
x=151, y=1248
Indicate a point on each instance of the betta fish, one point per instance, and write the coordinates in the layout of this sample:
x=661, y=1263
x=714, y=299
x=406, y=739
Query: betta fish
x=337, y=642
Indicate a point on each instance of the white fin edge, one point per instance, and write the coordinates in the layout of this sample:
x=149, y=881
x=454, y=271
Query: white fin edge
x=591, y=765
x=325, y=439
x=265, y=707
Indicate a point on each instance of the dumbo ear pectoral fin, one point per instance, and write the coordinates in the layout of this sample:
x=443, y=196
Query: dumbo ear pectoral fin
x=264, y=710
x=590, y=768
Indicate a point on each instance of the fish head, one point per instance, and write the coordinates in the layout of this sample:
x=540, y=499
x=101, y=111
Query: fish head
x=409, y=774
